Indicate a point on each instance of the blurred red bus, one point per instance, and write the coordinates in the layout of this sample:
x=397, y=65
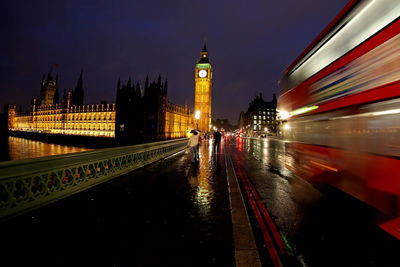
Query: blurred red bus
x=339, y=103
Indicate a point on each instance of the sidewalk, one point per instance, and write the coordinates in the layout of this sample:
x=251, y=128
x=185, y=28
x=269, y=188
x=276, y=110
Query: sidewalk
x=171, y=213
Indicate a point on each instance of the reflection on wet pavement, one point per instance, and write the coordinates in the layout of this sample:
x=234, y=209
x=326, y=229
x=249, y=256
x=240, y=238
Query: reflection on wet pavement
x=171, y=213
x=323, y=226
x=272, y=153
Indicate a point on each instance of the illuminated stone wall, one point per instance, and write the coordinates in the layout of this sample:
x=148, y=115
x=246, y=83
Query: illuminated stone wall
x=91, y=120
x=87, y=120
x=178, y=122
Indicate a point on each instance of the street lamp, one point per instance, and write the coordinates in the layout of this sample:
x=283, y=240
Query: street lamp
x=197, y=116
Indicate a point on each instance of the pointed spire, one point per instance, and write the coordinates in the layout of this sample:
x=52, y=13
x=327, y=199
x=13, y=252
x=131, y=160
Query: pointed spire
x=80, y=80
x=78, y=94
x=204, y=48
x=204, y=55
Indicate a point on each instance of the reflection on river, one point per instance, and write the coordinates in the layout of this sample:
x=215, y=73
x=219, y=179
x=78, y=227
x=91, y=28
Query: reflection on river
x=21, y=148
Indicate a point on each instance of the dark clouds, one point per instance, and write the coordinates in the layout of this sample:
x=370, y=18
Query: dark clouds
x=250, y=44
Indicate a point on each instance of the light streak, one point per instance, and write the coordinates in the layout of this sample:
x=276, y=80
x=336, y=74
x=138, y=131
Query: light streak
x=324, y=166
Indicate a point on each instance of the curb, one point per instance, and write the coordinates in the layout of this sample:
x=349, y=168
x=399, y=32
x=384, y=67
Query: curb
x=246, y=252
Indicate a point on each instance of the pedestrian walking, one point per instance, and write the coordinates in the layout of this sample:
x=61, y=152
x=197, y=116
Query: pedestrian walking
x=217, y=140
x=193, y=145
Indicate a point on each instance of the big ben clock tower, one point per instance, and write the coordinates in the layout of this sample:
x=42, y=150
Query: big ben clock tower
x=203, y=83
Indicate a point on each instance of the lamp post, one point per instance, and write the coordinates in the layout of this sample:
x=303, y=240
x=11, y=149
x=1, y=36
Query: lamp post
x=197, y=116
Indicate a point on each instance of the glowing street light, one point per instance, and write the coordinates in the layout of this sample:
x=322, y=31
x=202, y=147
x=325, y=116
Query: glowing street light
x=197, y=116
x=286, y=127
x=283, y=114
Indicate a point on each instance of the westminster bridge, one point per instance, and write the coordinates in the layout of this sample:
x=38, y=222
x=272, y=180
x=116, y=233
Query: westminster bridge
x=150, y=205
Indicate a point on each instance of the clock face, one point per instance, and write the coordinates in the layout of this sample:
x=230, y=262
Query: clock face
x=202, y=73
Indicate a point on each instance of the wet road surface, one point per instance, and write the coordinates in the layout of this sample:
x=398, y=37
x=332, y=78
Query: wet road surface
x=176, y=213
x=322, y=226
x=172, y=213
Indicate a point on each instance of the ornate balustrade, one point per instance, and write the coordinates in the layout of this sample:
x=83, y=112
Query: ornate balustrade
x=29, y=184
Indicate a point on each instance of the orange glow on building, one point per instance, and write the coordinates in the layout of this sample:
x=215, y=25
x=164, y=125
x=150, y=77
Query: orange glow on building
x=91, y=120
x=178, y=121
x=203, y=90
x=86, y=120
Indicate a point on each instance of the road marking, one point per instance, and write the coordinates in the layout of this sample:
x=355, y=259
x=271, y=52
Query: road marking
x=267, y=238
x=246, y=253
x=267, y=217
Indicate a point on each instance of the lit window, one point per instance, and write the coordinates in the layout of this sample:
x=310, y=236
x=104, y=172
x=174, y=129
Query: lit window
x=255, y=127
x=255, y=122
x=255, y=117
x=263, y=117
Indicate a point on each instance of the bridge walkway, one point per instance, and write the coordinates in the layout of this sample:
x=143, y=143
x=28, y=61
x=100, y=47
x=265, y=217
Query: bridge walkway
x=171, y=213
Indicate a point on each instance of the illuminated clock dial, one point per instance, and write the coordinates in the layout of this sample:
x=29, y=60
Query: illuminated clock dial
x=202, y=73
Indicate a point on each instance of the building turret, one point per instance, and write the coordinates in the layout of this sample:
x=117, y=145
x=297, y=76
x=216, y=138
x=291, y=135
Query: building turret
x=48, y=90
x=204, y=55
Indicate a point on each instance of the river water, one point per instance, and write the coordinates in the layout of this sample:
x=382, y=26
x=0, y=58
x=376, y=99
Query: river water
x=15, y=148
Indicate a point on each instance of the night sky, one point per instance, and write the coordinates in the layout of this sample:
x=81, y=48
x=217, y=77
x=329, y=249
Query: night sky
x=250, y=44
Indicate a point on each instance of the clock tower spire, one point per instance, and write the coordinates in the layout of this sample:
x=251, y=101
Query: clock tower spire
x=203, y=84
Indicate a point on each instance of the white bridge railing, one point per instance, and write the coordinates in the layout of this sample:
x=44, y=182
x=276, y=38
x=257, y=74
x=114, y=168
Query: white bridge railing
x=28, y=184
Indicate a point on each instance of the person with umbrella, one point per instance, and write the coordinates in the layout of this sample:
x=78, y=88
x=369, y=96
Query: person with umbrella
x=193, y=144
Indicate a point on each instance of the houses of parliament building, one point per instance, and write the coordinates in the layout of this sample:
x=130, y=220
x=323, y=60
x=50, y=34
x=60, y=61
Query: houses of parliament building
x=140, y=113
x=66, y=117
